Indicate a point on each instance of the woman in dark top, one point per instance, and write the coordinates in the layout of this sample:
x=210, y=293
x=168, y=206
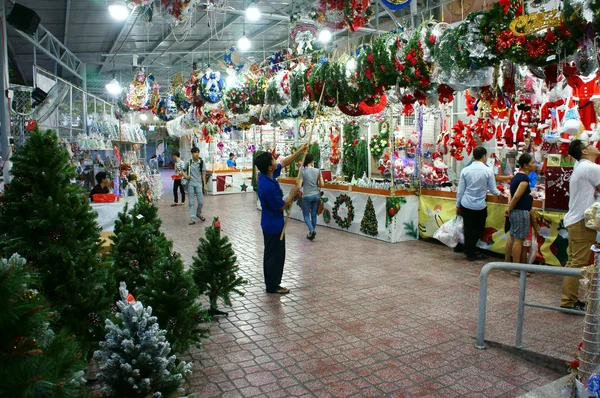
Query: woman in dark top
x=102, y=187
x=520, y=205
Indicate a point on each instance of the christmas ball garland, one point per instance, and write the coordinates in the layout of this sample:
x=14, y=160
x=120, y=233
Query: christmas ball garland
x=343, y=222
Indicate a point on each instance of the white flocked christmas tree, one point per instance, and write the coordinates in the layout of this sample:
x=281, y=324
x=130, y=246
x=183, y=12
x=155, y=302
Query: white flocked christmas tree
x=134, y=357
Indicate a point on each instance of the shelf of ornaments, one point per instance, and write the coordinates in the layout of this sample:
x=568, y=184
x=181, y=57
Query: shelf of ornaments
x=346, y=187
x=128, y=142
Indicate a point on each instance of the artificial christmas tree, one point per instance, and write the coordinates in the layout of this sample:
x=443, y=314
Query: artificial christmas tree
x=138, y=244
x=215, y=269
x=368, y=224
x=134, y=358
x=34, y=361
x=48, y=220
x=172, y=294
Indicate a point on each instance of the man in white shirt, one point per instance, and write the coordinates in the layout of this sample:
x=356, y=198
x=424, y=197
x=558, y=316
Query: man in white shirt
x=474, y=183
x=584, y=183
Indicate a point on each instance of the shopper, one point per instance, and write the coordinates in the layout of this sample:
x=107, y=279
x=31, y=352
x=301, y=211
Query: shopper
x=102, y=186
x=231, y=161
x=310, y=181
x=583, y=184
x=272, y=221
x=519, y=206
x=177, y=177
x=153, y=164
x=474, y=183
x=196, y=186
x=160, y=160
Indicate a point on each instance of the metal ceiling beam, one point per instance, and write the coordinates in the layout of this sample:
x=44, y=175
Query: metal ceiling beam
x=141, y=63
x=67, y=17
x=118, y=38
x=56, y=50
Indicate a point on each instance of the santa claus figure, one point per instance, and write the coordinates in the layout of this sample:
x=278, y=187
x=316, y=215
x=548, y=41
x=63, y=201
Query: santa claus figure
x=441, y=171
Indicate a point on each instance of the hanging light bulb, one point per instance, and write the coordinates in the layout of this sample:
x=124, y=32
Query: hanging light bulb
x=243, y=44
x=252, y=13
x=113, y=88
x=118, y=10
x=325, y=36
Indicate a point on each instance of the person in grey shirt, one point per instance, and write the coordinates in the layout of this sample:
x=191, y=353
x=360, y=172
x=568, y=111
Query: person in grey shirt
x=196, y=186
x=310, y=181
x=474, y=183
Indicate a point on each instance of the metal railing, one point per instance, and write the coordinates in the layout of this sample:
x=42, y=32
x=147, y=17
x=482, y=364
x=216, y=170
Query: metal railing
x=523, y=268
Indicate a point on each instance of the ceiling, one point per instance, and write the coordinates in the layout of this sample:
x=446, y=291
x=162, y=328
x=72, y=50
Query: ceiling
x=107, y=47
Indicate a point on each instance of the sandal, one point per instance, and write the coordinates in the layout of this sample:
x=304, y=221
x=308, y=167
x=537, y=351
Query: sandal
x=192, y=222
x=175, y=204
x=202, y=218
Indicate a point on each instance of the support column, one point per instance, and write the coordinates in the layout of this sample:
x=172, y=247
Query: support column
x=5, y=103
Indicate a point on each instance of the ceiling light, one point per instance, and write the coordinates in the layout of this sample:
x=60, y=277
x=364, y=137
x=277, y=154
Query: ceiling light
x=231, y=81
x=243, y=44
x=118, y=10
x=113, y=88
x=325, y=36
x=252, y=13
x=143, y=117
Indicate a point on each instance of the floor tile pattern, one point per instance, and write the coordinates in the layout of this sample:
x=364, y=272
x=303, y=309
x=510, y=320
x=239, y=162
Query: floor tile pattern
x=365, y=318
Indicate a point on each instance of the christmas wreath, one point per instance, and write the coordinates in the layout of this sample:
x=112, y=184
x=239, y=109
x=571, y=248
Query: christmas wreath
x=331, y=13
x=212, y=85
x=343, y=222
x=278, y=89
x=380, y=141
x=166, y=109
x=325, y=73
x=235, y=100
x=256, y=90
x=297, y=87
x=415, y=73
x=384, y=48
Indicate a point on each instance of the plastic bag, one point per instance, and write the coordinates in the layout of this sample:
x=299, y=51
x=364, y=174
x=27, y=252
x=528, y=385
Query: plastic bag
x=450, y=233
x=592, y=216
x=533, y=250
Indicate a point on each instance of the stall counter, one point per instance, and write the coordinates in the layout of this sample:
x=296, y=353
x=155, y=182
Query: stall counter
x=228, y=181
x=437, y=207
x=348, y=208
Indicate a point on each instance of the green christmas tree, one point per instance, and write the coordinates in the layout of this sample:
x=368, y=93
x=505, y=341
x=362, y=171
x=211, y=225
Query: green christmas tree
x=172, y=294
x=361, y=161
x=315, y=150
x=368, y=224
x=34, y=362
x=47, y=219
x=138, y=244
x=134, y=357
x=215, y=269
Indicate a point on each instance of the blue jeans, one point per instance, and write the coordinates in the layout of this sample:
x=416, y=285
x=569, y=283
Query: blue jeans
x=195, y=192
x=309, y=211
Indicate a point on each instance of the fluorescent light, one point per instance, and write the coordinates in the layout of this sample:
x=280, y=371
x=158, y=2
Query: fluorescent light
x=113, y=88
x=118, y=11
x=252, y=13
x=143, y=117
x=325, y=36
x=243, y=44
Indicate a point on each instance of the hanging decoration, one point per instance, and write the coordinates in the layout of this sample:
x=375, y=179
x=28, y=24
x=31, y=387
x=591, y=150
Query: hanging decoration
x=211, y=86
x=304, y=34
x=146, y=8
x=166, y=108
x=357, y=13
x=179, y=10
x=396, y=5
x=139, y=93
x=331, y=13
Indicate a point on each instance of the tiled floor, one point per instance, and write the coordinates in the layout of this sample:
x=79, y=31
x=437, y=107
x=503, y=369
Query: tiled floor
x=364, y=318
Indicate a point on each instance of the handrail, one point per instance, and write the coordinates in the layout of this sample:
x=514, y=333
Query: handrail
x=523, y=268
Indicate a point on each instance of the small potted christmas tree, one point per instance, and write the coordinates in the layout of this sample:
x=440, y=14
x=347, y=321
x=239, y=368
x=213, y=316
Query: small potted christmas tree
x=35, y=362
x=215, y=269
x=134, y=358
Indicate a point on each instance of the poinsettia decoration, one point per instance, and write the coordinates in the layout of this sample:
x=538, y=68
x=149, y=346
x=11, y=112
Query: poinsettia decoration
x=358, y=13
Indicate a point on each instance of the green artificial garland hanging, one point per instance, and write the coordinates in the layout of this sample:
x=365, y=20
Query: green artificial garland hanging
x=383, y=54
x=324, y=74
x=361, y=165
x=415, y=73
x=351, y=133
x=315, y=151
x=235, y=100
x=297, y=87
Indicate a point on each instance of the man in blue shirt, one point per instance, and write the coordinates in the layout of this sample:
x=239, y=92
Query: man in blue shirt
x=272, y=220
x=231, y=161
x=474, y=183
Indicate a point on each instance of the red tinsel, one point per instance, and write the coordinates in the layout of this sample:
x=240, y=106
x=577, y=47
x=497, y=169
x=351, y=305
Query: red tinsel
x=373, y=105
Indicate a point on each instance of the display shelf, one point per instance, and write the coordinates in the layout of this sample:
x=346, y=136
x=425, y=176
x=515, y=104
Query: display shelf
x=538, y=204
x=128, y=142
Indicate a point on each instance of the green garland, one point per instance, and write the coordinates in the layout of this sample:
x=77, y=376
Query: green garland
x=362, y=158
x=415, y=73
x=383, y=53
x=256, y=90
x=315, y=150
x=325, y=74
x=272, y=96
x=351, y=132
x=343, y=222
x=595, y=5
x=293, y=167
x=378, y=144
x=297, y=87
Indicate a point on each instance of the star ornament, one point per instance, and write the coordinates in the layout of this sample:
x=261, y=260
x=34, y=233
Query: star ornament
x=244, y=187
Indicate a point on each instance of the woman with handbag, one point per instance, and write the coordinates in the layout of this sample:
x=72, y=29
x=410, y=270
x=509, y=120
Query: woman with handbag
x=310, y=181
x=177, y=180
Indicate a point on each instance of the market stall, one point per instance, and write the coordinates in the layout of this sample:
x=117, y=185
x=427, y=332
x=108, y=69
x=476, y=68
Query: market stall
x=228, y=181
x=368, y=212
